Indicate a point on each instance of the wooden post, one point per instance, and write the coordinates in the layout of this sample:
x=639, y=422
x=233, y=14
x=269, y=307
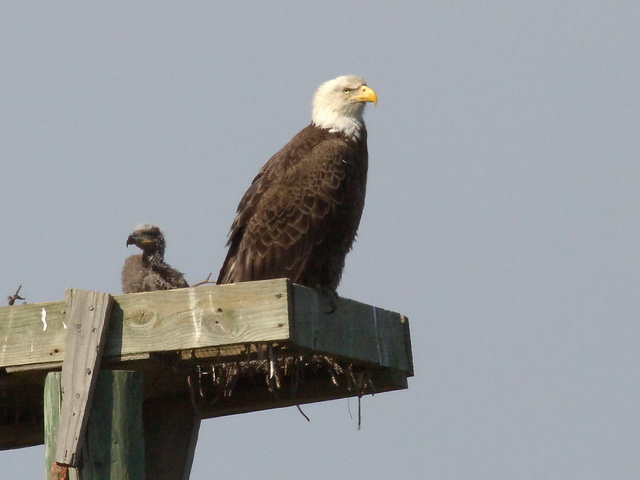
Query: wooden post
x=113, y=447
x=171, y=428
x=52, y=402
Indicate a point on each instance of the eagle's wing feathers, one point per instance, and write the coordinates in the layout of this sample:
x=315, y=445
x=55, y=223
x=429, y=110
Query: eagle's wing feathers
x=285, y=213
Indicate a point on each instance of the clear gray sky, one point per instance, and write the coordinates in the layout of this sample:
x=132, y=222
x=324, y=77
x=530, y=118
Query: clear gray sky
x=502, y=209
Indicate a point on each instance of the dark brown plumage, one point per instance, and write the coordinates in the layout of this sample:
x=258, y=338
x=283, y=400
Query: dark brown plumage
x=299, y=217
x=148, y=271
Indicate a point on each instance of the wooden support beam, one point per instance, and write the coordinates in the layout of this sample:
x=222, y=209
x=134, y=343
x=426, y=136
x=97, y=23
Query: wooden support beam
x=171, y=428
x=52, y=402
x=355, y=330
x=169, y=335
x=33, y=336
x=207, y=317
x=88, y=315
x=113, y=447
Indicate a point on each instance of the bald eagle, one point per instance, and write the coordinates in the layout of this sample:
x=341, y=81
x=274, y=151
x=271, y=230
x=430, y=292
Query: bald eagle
x=299, y=217
x=148, y=271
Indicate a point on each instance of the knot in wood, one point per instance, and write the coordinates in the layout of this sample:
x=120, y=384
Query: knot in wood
x=219, y=323
x=140, y=317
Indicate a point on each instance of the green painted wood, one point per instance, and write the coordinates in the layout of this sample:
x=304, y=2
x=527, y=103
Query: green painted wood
x=171, y=428
x=353, y=331
x=115, y=434
x=114, y=440
x=52, y=402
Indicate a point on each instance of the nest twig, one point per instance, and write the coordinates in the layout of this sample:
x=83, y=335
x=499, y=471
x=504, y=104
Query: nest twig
x=206, y=281
x=16, y=296
x=267, y=366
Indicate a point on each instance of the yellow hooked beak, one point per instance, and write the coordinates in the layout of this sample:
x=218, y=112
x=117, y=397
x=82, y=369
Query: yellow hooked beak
x=365, y=94
x=131, y=240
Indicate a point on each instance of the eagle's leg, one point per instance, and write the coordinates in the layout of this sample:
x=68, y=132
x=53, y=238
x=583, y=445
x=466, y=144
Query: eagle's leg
x=332, y=298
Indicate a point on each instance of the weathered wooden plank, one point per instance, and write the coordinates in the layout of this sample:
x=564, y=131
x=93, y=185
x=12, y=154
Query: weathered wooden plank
x=354, y=330
x=153, y=322
x=88, y=317
x=114, y=443
x=32, y=333
x=52, y=402
x=169, y=333
x=215, y=316
x=201, y=317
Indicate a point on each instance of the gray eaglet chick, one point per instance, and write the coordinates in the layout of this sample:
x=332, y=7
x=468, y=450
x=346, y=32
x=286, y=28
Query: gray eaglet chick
x=299, y=217
x=148, y=271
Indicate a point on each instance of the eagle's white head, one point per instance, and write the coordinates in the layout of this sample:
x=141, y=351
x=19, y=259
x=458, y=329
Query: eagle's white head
x=338, y=105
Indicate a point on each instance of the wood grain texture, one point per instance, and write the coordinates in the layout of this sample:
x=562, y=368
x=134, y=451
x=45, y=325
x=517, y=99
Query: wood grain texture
x=184, y=319
x=152, y=322
x=170, y=333
x=354, y=331
x=33, y=333
x=88, y=317
x=52, y=401
x=200, y=317
x=113, y=447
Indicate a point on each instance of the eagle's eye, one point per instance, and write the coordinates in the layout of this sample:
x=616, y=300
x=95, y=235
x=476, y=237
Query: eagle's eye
x=347, y=90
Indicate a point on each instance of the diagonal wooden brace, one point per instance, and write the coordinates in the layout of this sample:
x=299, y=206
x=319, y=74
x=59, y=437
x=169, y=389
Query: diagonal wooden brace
x=87, y=322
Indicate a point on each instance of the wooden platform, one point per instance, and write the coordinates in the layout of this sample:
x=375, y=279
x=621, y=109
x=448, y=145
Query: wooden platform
x=229, y=348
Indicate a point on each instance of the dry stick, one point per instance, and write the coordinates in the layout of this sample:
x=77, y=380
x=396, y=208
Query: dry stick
x=192, y=395
x=12, y=298
x=296, y=384
x=205, y=281
x=302, y=413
